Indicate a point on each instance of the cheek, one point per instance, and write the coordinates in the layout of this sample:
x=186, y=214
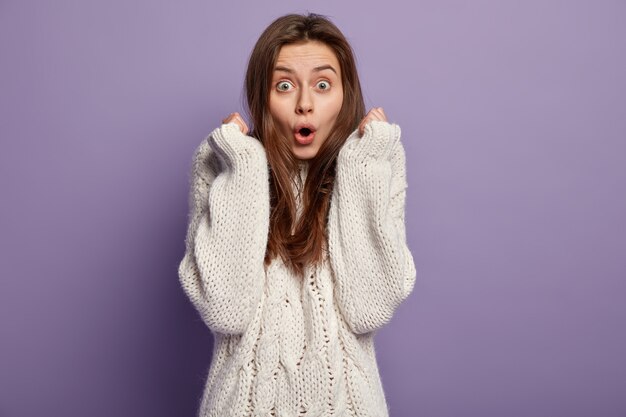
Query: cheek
x=273, y=107
x=277, y=111
x=335, y=105
x=278, y=119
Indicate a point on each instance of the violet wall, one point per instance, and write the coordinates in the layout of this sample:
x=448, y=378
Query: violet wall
x=514, y=122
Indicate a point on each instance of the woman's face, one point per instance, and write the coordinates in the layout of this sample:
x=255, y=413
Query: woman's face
x=306, y=95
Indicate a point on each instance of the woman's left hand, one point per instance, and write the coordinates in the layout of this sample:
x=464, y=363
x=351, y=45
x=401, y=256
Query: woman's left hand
x=376, y=113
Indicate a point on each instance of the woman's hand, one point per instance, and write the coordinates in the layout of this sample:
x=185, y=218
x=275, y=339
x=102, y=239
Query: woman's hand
x=238, y=120
x=376, y=113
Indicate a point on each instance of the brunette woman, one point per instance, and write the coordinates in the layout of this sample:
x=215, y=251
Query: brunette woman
x=296, y=249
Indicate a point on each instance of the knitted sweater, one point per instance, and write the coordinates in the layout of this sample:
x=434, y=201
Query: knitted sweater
x=284, y=346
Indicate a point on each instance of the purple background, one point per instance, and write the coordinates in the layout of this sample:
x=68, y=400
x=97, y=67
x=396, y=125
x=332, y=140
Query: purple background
x=514, y=123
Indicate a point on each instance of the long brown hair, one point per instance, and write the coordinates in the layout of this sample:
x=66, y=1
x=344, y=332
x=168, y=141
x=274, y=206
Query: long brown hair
x=301, y=242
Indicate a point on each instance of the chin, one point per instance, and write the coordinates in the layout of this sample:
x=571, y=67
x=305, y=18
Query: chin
x=304, y=154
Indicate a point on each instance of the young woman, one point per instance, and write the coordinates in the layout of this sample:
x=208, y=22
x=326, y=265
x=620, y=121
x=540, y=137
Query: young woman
x=296, y=250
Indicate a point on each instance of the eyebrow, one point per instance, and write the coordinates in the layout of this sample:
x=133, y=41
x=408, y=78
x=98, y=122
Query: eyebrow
x=316, y=69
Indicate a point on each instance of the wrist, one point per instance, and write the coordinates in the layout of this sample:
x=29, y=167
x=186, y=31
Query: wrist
x=378, y=140
x=234, y=147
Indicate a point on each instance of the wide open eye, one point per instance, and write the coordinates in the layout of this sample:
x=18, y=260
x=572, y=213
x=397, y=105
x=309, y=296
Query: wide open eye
x=323, y=85
x=283, y=86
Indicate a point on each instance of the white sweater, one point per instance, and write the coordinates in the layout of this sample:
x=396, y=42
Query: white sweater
x=285, y=346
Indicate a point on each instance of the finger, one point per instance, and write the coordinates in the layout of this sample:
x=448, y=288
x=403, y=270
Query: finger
x=373, y=113
x=238, y=120
x=242, y=124
x=379, y=114
x=244, y=127
x=228, y=118
x=375, y=116
x=382, y=113
x=362, y=126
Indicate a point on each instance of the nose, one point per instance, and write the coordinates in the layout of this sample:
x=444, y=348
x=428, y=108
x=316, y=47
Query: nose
x=305, y=103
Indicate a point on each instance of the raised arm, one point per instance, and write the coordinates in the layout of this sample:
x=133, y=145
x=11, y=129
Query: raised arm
x=372, y=264
x=222, y=270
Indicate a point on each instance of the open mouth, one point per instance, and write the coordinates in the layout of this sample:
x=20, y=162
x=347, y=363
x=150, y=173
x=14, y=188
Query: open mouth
x=305, y=135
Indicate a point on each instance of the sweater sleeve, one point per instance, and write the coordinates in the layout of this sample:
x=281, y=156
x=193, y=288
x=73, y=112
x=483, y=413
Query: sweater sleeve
x=222, y=270
x=372, y=264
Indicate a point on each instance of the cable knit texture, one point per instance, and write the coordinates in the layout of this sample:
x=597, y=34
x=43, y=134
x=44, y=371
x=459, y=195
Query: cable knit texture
x=284, y=346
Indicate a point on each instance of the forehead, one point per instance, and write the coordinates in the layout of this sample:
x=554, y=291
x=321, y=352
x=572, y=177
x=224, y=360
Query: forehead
x=305, y=55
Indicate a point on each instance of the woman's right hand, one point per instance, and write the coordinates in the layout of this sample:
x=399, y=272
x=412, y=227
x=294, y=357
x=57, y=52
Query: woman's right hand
x=238, y=120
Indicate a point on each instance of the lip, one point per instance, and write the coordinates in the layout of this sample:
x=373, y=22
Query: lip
x=304, y=125
x=304, y=140
x=301, y=139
